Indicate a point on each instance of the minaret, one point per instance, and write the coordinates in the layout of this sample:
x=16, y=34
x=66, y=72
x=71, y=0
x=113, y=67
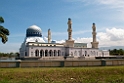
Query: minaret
x=69, y=29
x=94, y=43
x=49, y=36
x=69, y=42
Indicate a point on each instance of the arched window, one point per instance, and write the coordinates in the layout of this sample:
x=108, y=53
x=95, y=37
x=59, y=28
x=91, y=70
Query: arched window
x=50, y=53
x=85, y=53
x=36, y=52
x=59, y=52
x=41, y=53
x=55, y=52
x=25, y=53
x=46, y=52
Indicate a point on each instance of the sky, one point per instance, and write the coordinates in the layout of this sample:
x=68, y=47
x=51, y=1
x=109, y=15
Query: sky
x=108, y=15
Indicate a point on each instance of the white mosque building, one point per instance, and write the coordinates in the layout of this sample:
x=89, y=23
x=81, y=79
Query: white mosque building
x=35, y=46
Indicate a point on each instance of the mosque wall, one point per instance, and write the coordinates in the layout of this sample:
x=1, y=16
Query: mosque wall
x=83, y=52
x=46, y=51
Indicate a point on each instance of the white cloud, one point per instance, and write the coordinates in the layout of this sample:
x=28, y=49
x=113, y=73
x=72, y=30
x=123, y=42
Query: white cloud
x=111, y=37
x=46, y=38
x=60, y=41
x=84, y=40
x=112, y=3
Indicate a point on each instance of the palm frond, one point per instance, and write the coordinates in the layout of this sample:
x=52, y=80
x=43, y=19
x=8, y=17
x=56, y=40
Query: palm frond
x=4, y=37
x=4, y=30
x=1, y=20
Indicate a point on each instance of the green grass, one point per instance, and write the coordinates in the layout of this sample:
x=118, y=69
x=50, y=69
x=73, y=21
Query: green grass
x=113, y=74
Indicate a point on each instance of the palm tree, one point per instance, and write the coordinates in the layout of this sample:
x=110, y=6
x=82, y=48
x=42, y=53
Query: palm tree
x=3, y=31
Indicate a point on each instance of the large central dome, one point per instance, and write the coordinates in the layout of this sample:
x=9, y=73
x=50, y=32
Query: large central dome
x=33, y=31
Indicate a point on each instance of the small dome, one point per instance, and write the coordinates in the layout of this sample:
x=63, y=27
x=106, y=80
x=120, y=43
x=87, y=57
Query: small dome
x=33, y=31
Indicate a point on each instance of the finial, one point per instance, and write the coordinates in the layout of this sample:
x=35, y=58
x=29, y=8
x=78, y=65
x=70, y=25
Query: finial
x=69, y=18
x=48, y=29
x=93, y=23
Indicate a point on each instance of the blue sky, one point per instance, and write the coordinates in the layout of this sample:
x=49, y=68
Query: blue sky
x=21, y=14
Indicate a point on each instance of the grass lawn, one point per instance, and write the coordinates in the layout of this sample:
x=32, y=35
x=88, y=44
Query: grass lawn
x=112, y=74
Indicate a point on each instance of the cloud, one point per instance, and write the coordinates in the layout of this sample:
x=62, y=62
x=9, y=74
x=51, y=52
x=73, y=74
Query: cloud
x=112, y=3
x=46, y=38
x=111, y=37
x=84, y=40
x=60, y=41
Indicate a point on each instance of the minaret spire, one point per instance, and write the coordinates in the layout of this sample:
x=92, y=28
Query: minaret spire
x=49, y=36
x=94, y=43
x=69, y=29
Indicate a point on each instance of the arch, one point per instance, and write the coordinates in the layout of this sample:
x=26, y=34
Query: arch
x=59, y=52
x=51, y=53
x=37, y=52
x=55, y=52
x=46, y=52
x=41, y=53
x=85, y=53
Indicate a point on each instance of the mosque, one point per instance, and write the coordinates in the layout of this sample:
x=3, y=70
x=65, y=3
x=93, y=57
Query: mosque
x=35, y=46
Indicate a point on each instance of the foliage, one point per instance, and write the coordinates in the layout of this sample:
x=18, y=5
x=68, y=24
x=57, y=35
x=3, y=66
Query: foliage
x=116, y=52
x=113, y=74
x=3, y=31
x=11, y=54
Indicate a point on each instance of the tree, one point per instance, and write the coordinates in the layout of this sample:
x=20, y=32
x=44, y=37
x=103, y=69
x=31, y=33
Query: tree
x=3, y=31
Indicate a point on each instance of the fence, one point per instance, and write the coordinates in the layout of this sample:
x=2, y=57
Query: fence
x=60, y=63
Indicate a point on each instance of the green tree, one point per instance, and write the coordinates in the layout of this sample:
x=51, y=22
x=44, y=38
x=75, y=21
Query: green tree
x=3, y=31
x=121, y=51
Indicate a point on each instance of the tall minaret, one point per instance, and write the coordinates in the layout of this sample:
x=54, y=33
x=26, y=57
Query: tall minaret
x=69, y=42
x=94, y=43
x=69, y=29
x=49, y=36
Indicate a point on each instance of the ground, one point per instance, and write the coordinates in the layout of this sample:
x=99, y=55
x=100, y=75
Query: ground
x=111, y=74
